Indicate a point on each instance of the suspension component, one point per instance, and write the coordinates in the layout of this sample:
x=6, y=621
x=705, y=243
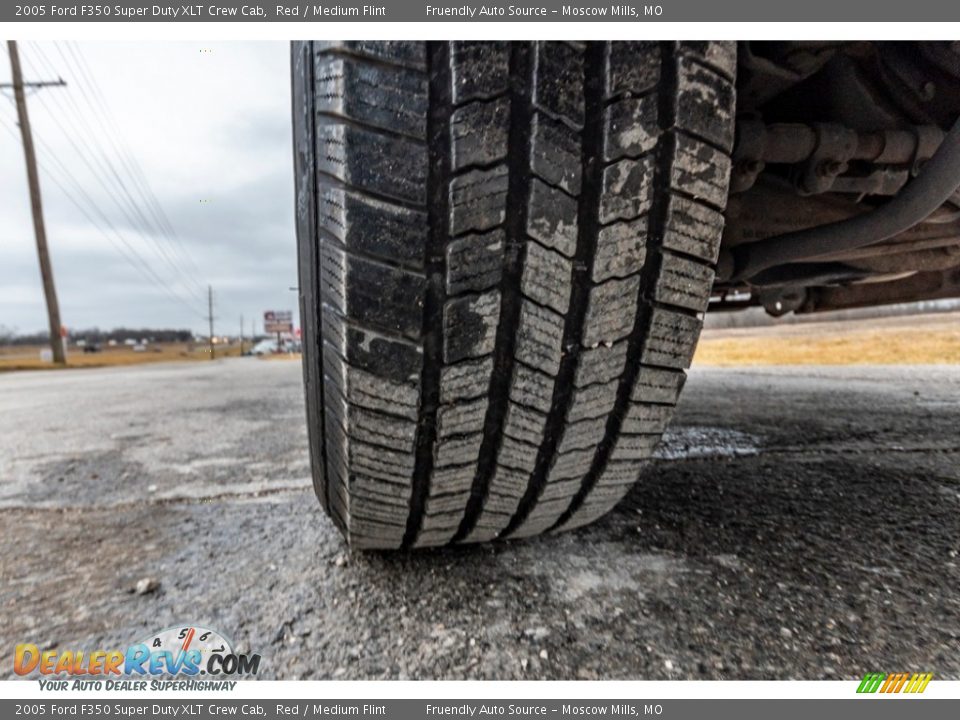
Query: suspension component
x=821, y=155
x=938, y=181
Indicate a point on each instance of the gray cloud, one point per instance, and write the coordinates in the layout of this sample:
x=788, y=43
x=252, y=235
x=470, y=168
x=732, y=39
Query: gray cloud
x=209, y=123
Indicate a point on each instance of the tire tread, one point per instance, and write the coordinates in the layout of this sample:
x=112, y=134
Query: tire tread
x=506, y=250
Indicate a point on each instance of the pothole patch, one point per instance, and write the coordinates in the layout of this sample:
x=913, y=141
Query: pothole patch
x=700, y=441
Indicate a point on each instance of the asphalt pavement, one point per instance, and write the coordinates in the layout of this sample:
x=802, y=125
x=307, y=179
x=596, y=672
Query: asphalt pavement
x=800, y=523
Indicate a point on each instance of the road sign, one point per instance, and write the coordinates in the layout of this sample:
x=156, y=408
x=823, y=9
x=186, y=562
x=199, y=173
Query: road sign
x=277, y=321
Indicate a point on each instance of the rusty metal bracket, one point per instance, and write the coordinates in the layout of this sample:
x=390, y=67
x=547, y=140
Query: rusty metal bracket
x=835, y=146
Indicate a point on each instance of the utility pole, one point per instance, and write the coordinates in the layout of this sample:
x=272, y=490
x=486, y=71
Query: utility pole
x=33, y=180
x=210, y=318
x=241, y=336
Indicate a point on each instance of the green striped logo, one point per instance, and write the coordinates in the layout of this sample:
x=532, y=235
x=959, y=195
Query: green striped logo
x=871, y=682
x=894, y=682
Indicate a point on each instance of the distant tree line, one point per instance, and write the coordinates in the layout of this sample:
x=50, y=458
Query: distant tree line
x=9, y=336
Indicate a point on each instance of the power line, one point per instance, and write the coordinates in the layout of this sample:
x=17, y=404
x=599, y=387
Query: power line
x=117, y=139
x=124, y=247
x=95, y=165
x=153, y=225
x=126, y=159
x=107, y=175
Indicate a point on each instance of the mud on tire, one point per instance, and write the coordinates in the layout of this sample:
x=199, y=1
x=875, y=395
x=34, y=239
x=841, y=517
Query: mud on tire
x=505, y=253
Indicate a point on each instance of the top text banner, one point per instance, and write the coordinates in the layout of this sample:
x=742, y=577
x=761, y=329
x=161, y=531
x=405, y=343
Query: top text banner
x=449, y=10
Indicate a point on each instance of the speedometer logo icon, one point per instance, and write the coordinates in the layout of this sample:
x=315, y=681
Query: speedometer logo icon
x=200, y=642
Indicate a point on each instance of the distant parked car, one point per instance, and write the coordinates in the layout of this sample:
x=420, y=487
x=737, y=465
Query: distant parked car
x=91, y=348
x=265, y=347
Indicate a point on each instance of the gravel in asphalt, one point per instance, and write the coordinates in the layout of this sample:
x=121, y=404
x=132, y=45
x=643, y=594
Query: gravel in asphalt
x=799, y=523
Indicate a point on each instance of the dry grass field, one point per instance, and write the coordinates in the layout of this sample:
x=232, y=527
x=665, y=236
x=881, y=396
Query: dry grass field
x=911, y=339
x=914, y=339
x=28, y=357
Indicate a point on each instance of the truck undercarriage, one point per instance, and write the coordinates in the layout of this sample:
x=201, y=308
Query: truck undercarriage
x=844, y=184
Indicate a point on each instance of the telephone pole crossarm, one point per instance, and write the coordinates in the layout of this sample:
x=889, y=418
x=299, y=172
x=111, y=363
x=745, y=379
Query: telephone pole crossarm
x=59, y=82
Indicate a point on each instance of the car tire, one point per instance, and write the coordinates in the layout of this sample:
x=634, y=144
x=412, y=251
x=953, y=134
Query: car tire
x=505, y=253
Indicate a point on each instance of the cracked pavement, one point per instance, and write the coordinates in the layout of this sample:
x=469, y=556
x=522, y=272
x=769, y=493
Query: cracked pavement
x=799, y=523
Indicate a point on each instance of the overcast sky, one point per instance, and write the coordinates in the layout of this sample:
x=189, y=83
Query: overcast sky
x=209, y=124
